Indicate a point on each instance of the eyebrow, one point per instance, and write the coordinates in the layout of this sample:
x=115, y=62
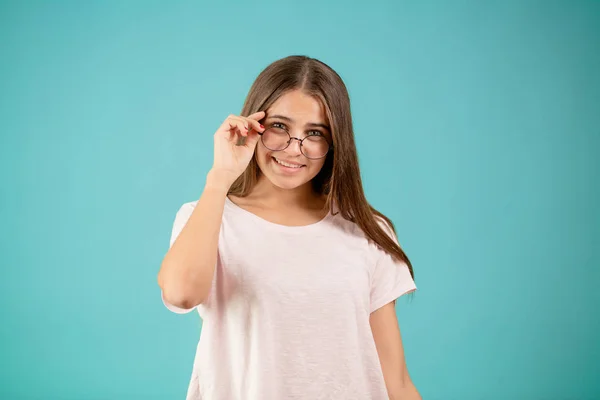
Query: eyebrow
x=288, y=119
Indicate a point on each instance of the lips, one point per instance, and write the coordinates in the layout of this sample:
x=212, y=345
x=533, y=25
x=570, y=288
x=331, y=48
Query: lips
x=288, y=164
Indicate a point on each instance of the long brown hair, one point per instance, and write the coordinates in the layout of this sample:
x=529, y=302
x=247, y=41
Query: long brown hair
x=339, y=179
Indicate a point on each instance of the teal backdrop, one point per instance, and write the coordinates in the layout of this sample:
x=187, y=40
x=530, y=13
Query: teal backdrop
x=477, y=126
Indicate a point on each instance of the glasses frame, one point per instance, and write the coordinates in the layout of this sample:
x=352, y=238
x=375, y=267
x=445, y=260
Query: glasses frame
x=329, y=148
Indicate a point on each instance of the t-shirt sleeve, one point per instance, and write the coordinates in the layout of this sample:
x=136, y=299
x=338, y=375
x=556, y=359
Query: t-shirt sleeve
x=181, y=218
x=390, y=278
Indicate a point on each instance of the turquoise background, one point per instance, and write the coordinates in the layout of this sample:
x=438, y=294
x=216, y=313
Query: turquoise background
x=477, y=125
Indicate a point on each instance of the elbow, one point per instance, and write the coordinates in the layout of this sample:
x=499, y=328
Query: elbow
x=181, y=299
x=182, y=302
x=180, y=294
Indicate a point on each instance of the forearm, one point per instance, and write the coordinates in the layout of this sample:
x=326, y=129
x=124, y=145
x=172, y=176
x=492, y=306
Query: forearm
x=404, y=391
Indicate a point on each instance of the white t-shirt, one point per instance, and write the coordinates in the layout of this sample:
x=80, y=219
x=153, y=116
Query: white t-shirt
x=287, y=316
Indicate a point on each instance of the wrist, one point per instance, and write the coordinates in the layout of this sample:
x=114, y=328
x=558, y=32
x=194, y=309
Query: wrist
x=219, y=180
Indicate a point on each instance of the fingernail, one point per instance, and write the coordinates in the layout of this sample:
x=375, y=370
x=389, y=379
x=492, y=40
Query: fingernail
x=261, y=126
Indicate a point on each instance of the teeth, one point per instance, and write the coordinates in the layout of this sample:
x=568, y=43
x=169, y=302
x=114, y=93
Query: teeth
x=286, y=164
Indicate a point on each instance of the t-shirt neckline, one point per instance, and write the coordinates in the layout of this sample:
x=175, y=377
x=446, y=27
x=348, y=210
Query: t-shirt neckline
x=273, y=225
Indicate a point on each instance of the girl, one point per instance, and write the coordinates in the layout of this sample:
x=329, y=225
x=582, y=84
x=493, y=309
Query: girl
x=294, y=274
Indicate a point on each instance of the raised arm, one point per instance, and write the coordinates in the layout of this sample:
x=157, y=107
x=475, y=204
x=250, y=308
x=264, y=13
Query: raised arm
x=187, y=270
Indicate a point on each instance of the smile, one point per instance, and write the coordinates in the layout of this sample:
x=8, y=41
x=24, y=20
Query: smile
x=287, y=164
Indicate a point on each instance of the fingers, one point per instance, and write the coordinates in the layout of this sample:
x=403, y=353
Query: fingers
x=257, y=115
x=237, y=125
x=253, y=120
x=255, y=125
x=244, y=125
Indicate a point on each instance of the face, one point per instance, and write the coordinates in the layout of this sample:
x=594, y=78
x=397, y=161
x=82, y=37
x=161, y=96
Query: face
x=301, y=116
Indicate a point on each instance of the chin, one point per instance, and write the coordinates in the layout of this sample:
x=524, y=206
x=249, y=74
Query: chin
x=287, y=184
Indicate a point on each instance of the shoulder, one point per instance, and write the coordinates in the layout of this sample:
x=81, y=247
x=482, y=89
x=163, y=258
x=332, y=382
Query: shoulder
x=374, y=249
x=387, y=228
x=351, y=235
x=187, y=208
x=354, y=229
x=184, y=212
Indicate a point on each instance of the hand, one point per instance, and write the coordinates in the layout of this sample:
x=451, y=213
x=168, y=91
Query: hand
x=231, y=158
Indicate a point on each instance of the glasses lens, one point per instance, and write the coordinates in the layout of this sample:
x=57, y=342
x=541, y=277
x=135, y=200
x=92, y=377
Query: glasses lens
x=315, y=146
x=275, y=139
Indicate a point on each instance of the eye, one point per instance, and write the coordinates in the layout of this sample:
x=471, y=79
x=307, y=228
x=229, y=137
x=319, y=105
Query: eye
x=315, y=133
x=278, y=125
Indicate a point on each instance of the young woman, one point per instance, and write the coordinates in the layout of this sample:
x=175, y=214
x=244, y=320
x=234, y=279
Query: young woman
x=294, y=274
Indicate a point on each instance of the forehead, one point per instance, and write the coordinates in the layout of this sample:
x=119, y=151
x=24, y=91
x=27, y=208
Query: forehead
x=300, y=107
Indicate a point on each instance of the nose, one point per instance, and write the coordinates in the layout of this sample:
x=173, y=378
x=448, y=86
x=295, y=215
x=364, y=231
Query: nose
x=294, y=147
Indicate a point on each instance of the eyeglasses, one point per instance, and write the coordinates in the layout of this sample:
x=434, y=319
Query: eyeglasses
x=276, y=138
